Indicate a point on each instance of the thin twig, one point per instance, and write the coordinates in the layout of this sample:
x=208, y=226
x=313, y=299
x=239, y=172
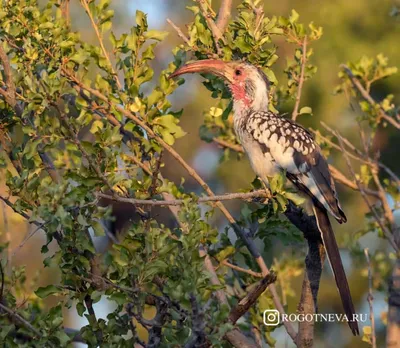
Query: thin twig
x=360, y=156
x=364, y=93
x=29, y=236
x=221, y=296
x=224, y=15
x=21, y=320
x=179, y=32
x=177, y=202
x=295, y=112
x=385, y=230
x=65, y=10
x=85, y=4
x=215, y=31
x=370, y=299
x=240, y=269
x=11, y=205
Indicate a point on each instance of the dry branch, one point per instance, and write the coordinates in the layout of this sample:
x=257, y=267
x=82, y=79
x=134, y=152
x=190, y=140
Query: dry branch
x=295, y=112
x=179, y=32
x=178, y=202
x=244, y=304
x=240, y=269
x=224, y=15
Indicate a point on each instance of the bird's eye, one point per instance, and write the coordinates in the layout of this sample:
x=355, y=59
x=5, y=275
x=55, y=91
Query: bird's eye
x=238, y=72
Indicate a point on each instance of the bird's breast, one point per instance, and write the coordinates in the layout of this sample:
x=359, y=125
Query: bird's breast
x=260, y=157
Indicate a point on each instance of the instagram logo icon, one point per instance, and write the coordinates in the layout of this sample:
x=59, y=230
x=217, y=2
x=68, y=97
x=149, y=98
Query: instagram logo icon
x=271, y=317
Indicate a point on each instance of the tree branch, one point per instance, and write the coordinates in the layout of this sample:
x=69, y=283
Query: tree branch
x=240, y=269
x=224, y=15
x=364, y=93
x=177, y=202
x=215, y=31
x=15, y=316
x=85, y=4
x=244, y=304
x=301, y=80
x=179, y=32
x=385, y=230
x=360, y=156
x=248, y=241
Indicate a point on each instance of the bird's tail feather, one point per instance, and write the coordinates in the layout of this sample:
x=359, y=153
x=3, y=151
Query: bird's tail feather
x=335, y=261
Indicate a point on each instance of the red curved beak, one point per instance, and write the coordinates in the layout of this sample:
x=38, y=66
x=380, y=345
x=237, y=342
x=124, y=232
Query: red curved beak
x=213, y=66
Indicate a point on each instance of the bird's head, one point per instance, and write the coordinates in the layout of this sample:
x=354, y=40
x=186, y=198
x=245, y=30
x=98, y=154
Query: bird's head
x=248, y=84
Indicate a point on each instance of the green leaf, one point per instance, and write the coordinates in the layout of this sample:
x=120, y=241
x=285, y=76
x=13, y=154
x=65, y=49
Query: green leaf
x=80, y=308
x=79, y=57
x=225, y=253
x=276, y=183
x=141, y=19
x=294, y=16
x=156, y=35
x=295, y=198
x=97, y=125
x=47, y=291
x=305, y=110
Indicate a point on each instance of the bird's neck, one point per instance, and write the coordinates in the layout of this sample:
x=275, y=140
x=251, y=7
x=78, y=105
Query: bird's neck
x=243, y=107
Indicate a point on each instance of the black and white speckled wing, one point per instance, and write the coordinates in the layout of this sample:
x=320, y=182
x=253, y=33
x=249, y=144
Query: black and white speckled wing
x=292, y=148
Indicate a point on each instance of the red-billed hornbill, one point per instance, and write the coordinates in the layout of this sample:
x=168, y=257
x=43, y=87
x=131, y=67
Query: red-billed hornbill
x=274, y=144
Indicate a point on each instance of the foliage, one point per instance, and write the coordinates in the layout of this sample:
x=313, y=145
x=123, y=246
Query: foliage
x=74, y=133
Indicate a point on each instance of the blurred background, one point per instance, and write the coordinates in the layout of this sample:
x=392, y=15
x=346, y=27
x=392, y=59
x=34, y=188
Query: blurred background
x=351, y=29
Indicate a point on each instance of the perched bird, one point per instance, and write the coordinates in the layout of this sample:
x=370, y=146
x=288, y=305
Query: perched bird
x=275, y=144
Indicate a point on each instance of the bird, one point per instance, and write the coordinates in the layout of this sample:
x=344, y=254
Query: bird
x=276, y=144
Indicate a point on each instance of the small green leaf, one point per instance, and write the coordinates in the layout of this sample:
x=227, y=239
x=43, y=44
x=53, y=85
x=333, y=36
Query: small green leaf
x=305, y=110
x=156, y=35
x=47, y=291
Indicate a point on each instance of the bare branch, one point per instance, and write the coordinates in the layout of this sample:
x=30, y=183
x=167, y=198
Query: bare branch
x=216, y=32
x=179, y=32
x=224, y=15
x=240, y=269
x=177, y=202
x=385, y=230
x=370, y=299
x=85, y=4
x=360, y=156
x=64, y=4
x=224, y=143
x=29, y=236
x=244, y=304
x=364, y=93
x=340, y=177
x=214, y=278
x=295, y=112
